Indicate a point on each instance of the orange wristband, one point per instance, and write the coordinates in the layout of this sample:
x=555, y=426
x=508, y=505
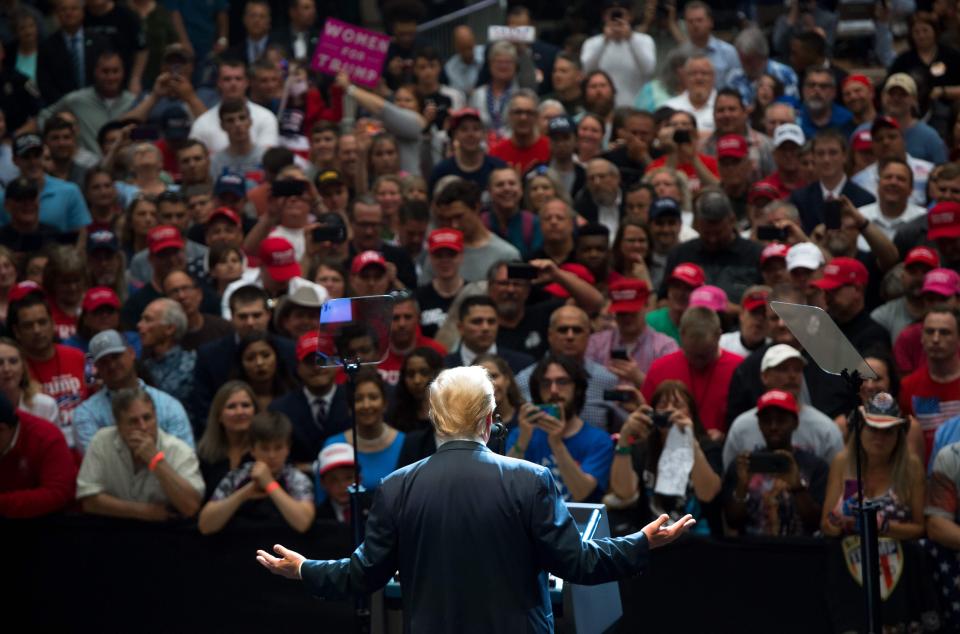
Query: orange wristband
x=155, y=461
x=273, y=486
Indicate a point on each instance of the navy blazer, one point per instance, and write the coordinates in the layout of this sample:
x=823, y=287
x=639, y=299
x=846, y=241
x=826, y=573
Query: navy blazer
x=809, y=199
x=215, y=364
x=472, y=534
x=516, y=360
x=308, y=435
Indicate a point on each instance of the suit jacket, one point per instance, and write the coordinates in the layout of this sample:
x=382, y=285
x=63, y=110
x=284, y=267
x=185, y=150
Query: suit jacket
x=215, y=364
x=241, y=51
x=309, y=435
x=809, y=200
x=55, y=76
x=472, y=533
x=586, y=207
x=516, y=360
x=417, y=445
x=284, y=37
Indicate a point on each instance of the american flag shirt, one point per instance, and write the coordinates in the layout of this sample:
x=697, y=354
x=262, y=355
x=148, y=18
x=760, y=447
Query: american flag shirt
x=931, y=402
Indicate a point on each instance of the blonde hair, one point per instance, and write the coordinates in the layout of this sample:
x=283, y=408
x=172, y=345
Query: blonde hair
x=461, y=401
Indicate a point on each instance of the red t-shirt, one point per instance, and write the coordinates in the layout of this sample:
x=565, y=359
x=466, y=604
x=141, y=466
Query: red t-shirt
x=931, y=402
x=688, y=169
x=774, y=180
x=65, y=323
x=522, y=159
x=908, y=349
x=62, y=377
x=390, y=368
x=38, y=475
x=709, y=386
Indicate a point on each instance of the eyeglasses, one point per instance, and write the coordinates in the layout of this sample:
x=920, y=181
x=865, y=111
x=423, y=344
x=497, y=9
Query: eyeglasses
x=561, y=382
x=577, y=330
x=523, y=113
x=823, y=85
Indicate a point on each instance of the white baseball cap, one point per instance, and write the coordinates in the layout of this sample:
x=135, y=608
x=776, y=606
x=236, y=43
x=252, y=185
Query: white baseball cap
x=788, y=132
x=804, y=255
x=338, y=454
x=777, y=354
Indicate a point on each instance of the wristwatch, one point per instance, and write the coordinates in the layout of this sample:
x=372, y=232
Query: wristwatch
x=800, y=487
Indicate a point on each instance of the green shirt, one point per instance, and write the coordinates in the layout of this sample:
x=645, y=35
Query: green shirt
x=659, y=320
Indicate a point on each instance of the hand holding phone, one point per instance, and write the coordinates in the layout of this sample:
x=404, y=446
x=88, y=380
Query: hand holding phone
x=522, y=272
x=769, y=462
x=832, y=213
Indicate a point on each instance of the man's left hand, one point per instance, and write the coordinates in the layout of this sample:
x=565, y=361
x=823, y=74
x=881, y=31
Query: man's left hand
x=287, y=566
x=658, y=535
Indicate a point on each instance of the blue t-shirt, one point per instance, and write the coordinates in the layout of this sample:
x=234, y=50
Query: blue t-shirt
x=374, y=466
x=590, y=447
x=449, y=166
x=840, y=119
x=61, y=205
x=922, y=142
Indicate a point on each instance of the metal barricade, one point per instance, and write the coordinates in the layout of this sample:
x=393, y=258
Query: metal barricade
x=438, y=32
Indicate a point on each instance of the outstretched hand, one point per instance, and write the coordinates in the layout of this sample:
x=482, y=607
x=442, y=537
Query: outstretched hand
x=658, y=535
x=288, y=565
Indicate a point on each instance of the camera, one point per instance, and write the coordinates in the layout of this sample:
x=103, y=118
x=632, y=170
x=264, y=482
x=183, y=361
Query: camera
x=768, y=462
x=661, y=420
x=283, y=188
x=619, y=396
x=832, y=210
x=681, y=136
x=771, y=233
x=325, y=233
x=521, y=272
x=619, y=353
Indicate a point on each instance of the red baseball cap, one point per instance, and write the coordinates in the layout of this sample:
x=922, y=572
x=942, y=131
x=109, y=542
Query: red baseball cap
x=579, y=270
x=334, y=456
x=773, y=250
x=862, y=141
x=777, y=398
x=100, y=296
x=312, y=343
x=732, y=146
x=690, y=274
x=859, y=79
x=224, y=212
x=754, y=300
x=440, y=239
x=883, y=121
x=943, y=282
x=842, y=271
x=922, y=255
x=628, y=295
x=164, y=237
x=456, y=117
x=943, y=221
x=762, y=191
x=280, y=258
x=22, y=289
x=367, y=258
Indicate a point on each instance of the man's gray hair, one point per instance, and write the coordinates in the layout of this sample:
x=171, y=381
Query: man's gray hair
x=121, y=400
x=789, y=209
x=173, y=315
x=549, y=103
x=752, y=41
x=696, y=55
x=528, y=94
x=503, y=48
x=611, y=168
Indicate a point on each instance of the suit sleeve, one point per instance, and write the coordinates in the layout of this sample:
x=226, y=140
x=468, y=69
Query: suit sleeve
x=371, y=565
x=561, y=551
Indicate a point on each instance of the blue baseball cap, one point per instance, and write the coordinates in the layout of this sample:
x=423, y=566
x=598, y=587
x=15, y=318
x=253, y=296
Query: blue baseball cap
x=230, y=183
x=664, y=206
x=560, y=125
x=103, y=239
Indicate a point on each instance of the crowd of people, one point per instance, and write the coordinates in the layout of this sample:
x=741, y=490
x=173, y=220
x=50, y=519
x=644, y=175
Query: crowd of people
x=601, y=223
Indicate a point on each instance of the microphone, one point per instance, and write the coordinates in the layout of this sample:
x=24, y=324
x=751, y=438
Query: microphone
x=498, y=430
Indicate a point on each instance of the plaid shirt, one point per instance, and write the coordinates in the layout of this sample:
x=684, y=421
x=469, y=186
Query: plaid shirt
x=748, y=87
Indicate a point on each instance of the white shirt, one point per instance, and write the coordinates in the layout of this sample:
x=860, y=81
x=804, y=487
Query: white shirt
x=630, y=63
x=264, y=131
x=326, y=399
x=869, y=178
x=834, y=193
x=703, y=115
x=886, y=224
x=467, y=355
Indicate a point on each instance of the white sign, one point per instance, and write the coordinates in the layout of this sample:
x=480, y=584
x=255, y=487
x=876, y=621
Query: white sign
x=519, y=34
x=675, y=464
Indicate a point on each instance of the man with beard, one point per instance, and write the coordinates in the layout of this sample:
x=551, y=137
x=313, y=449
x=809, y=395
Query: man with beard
x=602, y=199
x=894, y=207
x=519, y=325
x=700, y=94
x=730, y=116
x=843, y=242
x=519, y=227
x=553, y=434
x=599, y=95
x=782, y=369
x=627, y=56
x=889, y=144
x=526, y=146
x=844, y=284
x=899, y=313
x=857, y=93
x=819, y=110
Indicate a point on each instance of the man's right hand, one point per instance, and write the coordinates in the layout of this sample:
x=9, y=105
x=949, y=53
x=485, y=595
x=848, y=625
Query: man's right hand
x=658, y=535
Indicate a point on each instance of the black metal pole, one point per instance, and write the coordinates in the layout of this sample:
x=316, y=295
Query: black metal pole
x=867, y=517
x=361, y=606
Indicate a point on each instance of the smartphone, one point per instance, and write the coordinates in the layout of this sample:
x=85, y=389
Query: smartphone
x=288, y=188
x=768, y=462
x=522, y=272
x=831, y=214
x=681, y=136
x=619, y=353
x=619, y=396
x=144, y=133
x=324, y=233
x=550, y=409
x=176, y=69
x=771, y=233
x=661, y=420
x=616, y=14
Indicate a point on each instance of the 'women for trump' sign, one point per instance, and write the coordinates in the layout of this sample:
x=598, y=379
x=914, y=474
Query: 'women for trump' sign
x=357, y=51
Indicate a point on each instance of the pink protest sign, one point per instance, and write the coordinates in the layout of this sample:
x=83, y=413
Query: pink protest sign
x=353, y=49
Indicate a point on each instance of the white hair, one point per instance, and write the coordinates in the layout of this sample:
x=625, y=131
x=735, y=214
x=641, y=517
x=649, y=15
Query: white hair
x=461, y=401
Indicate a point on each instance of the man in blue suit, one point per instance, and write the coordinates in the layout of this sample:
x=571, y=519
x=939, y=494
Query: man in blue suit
x=471, y=532
x=319, y=409
x=829, y=155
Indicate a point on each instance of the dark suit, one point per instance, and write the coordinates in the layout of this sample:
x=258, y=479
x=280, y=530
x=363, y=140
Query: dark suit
x=242, y=50
x=285, y=38
x=417, y=445
x=55, y=72
x=516, y=360
x=216, y=362
x=308, y=434
x=809, y=200
x=472, y=533
x=586, y=207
